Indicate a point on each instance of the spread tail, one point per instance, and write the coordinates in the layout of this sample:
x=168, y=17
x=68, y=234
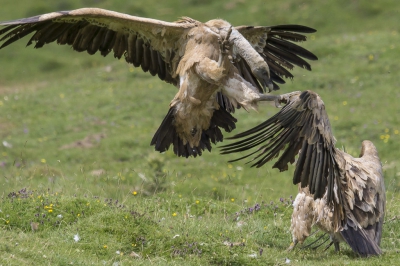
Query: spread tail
x=167, y=135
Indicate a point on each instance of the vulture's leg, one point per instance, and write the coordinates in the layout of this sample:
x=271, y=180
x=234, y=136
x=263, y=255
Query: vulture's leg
x=337, y=248
x=292, y=245
x=224, y=46
x=278, y=99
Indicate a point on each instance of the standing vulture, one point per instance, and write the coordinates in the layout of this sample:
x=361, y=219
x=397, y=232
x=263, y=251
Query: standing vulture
x=216, y=67
x=342, y=195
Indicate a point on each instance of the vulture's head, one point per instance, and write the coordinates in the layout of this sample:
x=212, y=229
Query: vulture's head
x=262, y=74
x=368, y=148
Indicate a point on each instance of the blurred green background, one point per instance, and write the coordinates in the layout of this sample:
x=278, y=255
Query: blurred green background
x=53, y=97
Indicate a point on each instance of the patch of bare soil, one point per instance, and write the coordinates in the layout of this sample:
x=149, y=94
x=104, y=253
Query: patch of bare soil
x=98, y=172
x=88, y=142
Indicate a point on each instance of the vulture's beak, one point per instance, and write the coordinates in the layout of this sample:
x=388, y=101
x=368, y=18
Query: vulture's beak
x=262, y=76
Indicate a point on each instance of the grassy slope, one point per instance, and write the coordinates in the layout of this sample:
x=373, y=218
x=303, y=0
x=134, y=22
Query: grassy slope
x=53, y=96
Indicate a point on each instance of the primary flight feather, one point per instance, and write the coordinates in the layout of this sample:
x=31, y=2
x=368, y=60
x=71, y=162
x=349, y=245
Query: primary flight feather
x=215, y=66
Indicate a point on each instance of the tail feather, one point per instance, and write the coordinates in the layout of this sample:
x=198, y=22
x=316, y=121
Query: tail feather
x=360, y=242
x=166, y=134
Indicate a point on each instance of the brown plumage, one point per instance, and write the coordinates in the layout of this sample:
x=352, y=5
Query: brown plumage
x=217, y=68
x=342, y=195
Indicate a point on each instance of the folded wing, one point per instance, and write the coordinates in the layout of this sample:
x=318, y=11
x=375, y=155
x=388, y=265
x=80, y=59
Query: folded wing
x=365, y=199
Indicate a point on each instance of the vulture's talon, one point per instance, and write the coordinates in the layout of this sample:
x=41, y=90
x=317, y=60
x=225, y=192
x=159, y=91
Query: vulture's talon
x=278, y=103
x=286, y=98
x=225, y=44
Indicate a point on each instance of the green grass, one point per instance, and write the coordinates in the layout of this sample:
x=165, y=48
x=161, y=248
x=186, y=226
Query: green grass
x=52, y=97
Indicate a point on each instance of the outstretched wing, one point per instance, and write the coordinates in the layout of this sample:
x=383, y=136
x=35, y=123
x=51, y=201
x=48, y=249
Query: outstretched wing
x=149, y=43
x=300, y=128
x=275, y=45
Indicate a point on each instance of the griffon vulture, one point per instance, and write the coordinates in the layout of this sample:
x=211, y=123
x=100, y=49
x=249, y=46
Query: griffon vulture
x=342, y=195
x=216, y=67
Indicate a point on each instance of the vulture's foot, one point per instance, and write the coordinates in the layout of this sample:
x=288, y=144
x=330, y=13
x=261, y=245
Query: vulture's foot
x=292, y=245
x=285, y=98
x=224, y=46
x=278, y=99
x=337, y=247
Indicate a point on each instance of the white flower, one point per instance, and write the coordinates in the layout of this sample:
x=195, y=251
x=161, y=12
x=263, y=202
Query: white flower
x=143, y=177
x=76, y=238
x=59, y=216
x=7, y=144
x=254, y=255
x=118, y=252
x=287, y=261
x=240, y=223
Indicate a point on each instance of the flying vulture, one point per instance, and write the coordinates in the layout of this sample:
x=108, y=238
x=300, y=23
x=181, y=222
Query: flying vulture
x=342, y=195
x=216, y=67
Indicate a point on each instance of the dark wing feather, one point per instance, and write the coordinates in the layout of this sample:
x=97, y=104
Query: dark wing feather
x=143, y=42
x=300, y=128
x=275, y=45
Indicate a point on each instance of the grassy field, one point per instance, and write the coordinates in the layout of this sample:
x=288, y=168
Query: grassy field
x=113, y=200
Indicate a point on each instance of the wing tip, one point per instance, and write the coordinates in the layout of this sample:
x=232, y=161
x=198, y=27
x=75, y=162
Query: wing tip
x=294, y=28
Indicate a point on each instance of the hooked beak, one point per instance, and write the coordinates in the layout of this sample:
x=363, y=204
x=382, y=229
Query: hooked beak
x=262, y=76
